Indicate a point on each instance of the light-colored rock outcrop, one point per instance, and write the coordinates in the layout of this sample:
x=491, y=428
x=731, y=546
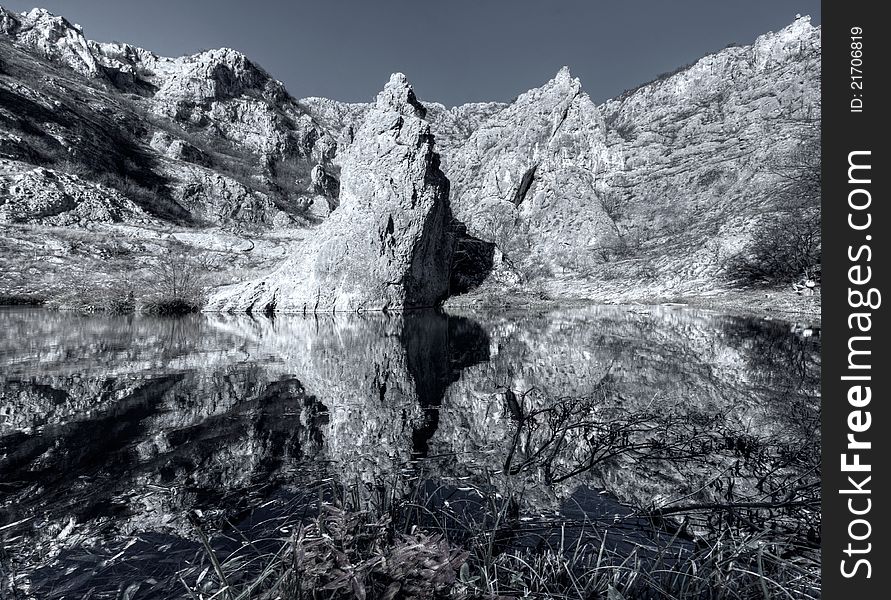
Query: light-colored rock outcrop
x=650, y=194
x=451, y=125
x=215, y=198
x=389, y=244
x=700, y=153
x=524, y=175
x=48, y=197
x=217, y=109
x=526, y=178
x=51, y=36
x=177, y=149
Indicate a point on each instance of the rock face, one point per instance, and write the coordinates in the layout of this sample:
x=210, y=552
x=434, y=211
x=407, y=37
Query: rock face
x=389, y=244
x=48, y=197
x=112, y=110
x=51, y=36
x=650, y=194
x=526, y=178
x=700, y=154
x=452, y=125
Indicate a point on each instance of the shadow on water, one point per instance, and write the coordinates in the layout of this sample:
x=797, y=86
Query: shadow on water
x=437, y=350
x=114, y=431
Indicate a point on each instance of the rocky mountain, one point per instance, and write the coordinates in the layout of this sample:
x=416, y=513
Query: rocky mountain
x=652, y=195
x=706, y=154
x=390, y=242
x=208, y=139
x=527, y=178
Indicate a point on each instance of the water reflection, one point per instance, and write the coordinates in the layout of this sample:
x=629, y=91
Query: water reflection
x=115, y=426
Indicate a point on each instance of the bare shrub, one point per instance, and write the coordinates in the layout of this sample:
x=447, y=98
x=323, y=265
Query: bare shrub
x=176, y=281
x=783, y=250
x=787, y=245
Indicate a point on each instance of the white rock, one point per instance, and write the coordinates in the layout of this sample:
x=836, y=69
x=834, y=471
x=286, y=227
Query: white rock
x=388, y=245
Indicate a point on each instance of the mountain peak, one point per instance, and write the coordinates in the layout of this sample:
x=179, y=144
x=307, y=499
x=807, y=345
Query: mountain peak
x=37, y=17
x=776, y=46
x=399, y=96
x=563, y=74
x=36, y=13
x=224, y=54
x=564, y=83
x=52, y=36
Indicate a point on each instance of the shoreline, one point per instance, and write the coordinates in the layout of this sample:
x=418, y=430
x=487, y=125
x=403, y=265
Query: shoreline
x=765, y=304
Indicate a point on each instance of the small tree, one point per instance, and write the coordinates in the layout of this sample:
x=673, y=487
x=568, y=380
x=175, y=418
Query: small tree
x=783, y=250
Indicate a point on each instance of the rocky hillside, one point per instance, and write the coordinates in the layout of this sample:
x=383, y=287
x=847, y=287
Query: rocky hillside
x=390, y=243
x=710, y=154
x=649, y=195
x=656, y=194
x=208, y=139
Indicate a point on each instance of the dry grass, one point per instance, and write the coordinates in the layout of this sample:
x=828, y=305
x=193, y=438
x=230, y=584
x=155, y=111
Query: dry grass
x=403, y=542
x=343, y=554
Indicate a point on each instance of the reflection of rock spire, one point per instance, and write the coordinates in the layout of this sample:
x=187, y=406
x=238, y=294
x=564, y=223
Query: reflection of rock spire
x=382, y=377
x=437, y=350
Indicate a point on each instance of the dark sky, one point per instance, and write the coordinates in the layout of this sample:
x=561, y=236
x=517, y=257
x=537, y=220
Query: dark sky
x=453, y=51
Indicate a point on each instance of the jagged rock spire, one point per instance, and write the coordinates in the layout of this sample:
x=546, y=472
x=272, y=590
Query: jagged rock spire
x=398, y=95
x=388, y=246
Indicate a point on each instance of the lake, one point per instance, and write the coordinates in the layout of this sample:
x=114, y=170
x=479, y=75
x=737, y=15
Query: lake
x=122, y=437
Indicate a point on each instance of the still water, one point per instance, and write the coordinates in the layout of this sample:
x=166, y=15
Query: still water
x=116, y=433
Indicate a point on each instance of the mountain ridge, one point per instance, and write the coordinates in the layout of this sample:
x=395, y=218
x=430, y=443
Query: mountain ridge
x=576, y=196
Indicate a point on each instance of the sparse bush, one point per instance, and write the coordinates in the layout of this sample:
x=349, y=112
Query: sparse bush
x=20, y=300
x=535, y=271
x=782, y=251
x=612, y=204
x=176, y=282
x=710, y=177
x=354, y=555
x=787, y=246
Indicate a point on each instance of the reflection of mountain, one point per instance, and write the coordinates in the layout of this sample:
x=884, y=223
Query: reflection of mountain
x=378, y=375
x=131, y=422
x=690, y=366
x=102, y=413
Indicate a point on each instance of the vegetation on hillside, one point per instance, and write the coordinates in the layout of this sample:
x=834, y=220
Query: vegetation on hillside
x=786, y=244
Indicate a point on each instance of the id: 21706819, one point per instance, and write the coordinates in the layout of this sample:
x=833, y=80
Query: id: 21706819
x=857, y=69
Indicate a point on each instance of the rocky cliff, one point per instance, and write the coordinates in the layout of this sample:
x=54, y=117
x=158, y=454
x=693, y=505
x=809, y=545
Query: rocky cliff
x=207, y=139
x=707, y=155
x=653, y=194
x=527, y=177
x=389, y=245
x=648, y=195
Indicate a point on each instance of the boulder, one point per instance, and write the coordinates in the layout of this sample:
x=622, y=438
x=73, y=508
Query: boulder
x=178, y=149
x=389, y=244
